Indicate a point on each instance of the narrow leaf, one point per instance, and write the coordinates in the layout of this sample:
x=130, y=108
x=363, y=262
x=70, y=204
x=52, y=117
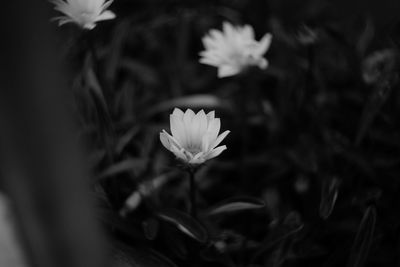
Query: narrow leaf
x=185, y=223
x=236, y=205
x=363, y=240
x=329, y=194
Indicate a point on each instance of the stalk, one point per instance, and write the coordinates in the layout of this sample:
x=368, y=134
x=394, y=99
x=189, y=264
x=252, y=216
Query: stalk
x=192, y=194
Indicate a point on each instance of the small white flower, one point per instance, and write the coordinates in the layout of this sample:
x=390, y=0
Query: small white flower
x=194, y=137
x=85, y=13
x=234, y=49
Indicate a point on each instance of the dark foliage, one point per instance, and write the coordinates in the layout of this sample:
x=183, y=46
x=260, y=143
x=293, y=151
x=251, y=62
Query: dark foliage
x=310, y=176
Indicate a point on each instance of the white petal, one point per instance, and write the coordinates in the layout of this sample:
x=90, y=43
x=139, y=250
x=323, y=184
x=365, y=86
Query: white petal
x=205, y=142
x=89, y=26
x=213, y=129
x=179, y=153
x=164, y=141
x=197, y=161
x=209, y=42
x=217, y=36
x=219, y=139
x=172, y=141
x=188, y=116
x=210, y=116
x=248, y=32
x=262, y=63
x=227, y=70
x=107, y=4
x=187, y=123
x=203, y=124
x=210, y=61
x=229, y=30
x=194, y=131
x=198, y=158
x=106, y=15
x=178, y=129
x=187, y=154
x=172, y=145
x=178, y=112
x=215, y=152
x=263, y=45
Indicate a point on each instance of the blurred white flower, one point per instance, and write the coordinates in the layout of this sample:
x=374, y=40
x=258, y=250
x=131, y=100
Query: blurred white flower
x=194, y=137
x=234, y=49
x=85, y=13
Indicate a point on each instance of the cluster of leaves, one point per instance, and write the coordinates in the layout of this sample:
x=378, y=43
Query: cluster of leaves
x=310, y=174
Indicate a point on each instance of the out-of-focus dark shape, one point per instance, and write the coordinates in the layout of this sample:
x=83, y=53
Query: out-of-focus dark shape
x=364, y=238
x=41, y=168
x=10, y=250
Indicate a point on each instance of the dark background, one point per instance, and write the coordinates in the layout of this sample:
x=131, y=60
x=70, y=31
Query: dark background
x=313, y=159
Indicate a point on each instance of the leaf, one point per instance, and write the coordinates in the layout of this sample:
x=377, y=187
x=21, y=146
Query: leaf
x=329, y=193
x=363, y=240
x=236, y=205
x=185, y=223
x=95, y=87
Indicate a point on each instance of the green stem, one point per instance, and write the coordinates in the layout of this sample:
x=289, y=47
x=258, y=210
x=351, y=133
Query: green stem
x=192, y=194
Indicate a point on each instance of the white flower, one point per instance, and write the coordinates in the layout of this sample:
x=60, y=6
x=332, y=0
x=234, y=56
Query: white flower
x=194, y=137
x=234, y=49
x=85, y=13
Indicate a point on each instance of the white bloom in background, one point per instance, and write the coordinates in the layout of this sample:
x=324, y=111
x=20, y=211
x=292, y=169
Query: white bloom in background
x=234, y=49
x=194, y=137
x=85, y=13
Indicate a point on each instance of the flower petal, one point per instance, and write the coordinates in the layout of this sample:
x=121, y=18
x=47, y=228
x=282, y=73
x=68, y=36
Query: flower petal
x=215, y=152
x=248, y=32
x=262, y=63
x=106, y=15
x=178, y=112
x=219, y=139
x=187, y=124
x=178, y=129
x=172, y=141
x=201, y=126
x=227, y=70
x=210, y=116
x=198, y=158
x=164, y=140
x=205, y=142
x=179, y=153
x=194, y=131
x=213, y=129
x=106, y=4
x=263, y=45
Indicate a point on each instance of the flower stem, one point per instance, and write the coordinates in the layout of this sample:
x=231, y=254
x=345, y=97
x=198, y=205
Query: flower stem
x=192, y=194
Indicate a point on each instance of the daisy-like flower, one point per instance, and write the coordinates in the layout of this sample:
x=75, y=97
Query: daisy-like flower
x=234, y=49
x=85, y=13
x=194, y=138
